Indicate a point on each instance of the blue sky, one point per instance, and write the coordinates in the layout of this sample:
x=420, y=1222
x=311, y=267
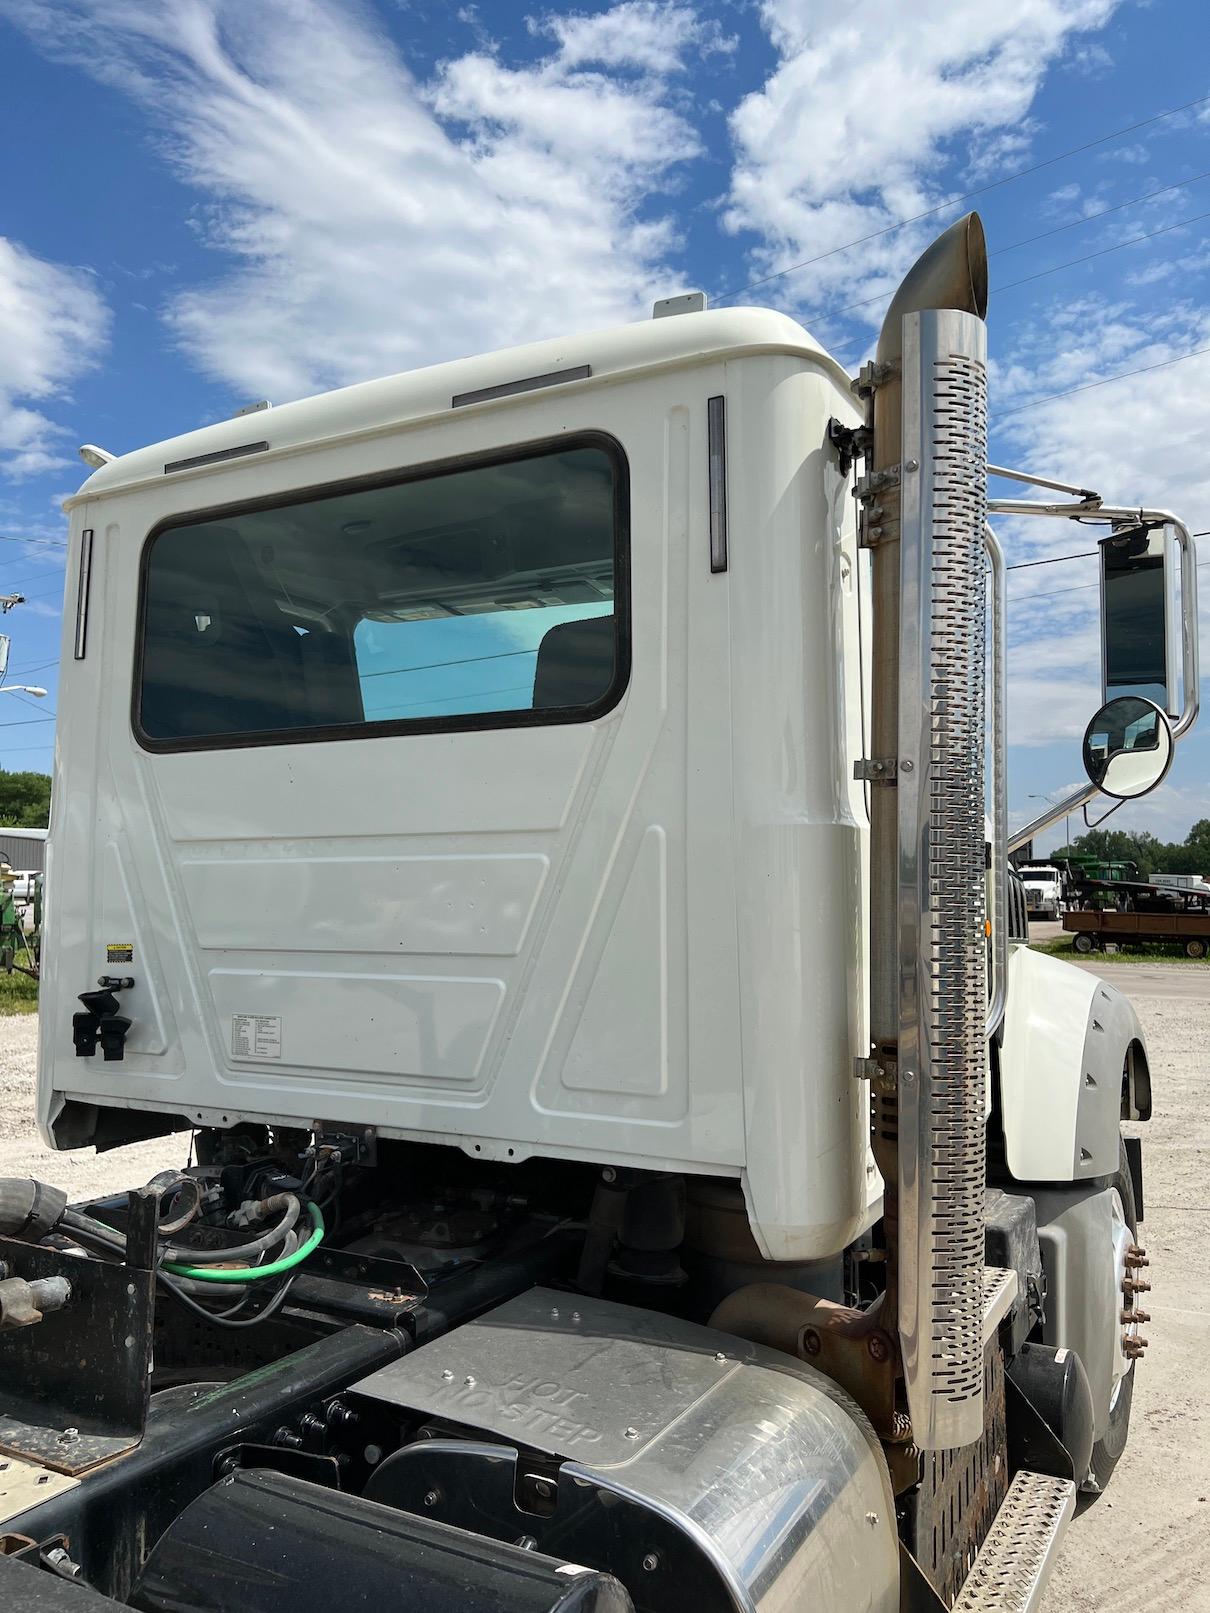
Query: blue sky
x=209, y=202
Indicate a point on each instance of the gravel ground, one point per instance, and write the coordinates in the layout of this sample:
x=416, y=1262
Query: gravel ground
x=82, y=1172
x=1145, y=1543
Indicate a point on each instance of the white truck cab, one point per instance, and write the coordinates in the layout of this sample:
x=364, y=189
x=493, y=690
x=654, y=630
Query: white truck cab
x=1043, y=890
x=529, y=820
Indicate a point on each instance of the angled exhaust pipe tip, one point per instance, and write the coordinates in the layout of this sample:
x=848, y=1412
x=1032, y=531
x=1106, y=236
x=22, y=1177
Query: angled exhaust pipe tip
x=950, y=273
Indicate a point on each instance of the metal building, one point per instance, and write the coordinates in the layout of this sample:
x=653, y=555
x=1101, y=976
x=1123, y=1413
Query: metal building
x=24, y=850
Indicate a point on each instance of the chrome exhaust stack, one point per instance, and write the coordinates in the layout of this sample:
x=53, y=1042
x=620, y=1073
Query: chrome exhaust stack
x=925, y=507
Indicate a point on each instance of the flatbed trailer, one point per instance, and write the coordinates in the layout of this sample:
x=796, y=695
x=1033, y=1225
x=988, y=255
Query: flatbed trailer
x=1094, y=929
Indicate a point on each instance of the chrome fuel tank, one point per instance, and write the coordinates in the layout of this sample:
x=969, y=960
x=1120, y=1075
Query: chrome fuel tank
x=702, y=1470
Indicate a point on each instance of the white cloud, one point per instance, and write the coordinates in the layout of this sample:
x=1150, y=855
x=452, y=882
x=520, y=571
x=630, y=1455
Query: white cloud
x=850, y=131
x=53, y=326
x=640, y=34
x=375, y=222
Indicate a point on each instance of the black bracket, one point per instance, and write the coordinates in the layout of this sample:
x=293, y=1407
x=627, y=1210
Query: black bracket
x=102, y=1020
x=850, y=442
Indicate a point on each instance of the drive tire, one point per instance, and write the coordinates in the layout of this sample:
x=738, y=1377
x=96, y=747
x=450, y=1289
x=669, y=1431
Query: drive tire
x=1107, y=1451
x=1083, y=941
x=1195, y=947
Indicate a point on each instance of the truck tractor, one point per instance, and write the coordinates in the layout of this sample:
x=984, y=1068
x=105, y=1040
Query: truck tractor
x=1043, y=890
x=535, y=831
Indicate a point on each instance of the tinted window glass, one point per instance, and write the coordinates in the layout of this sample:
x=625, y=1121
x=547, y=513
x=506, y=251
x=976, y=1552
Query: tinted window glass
x=447, y=600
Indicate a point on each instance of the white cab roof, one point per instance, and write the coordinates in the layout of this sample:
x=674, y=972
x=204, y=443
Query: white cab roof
x=374, y=406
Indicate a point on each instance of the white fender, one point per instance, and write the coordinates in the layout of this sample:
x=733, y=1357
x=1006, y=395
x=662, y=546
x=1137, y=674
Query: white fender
x=1068, y=1037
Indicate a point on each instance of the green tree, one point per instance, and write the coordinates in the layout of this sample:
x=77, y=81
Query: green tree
x=1153, y=856
x=1117, y=845
x=1195, y=853
x=24, y=800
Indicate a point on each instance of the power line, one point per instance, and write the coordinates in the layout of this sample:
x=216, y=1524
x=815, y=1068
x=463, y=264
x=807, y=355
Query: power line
x=1011, y=285
x=954, y=201
x=25, y=671
x=46, y=543
x=1091, y=218
x=1079, y=588
x=1080, y=554
x=26, y=701
x=26, y=722
x=37, y=577
x=1106, y=380
x=1103, y=252
x=1055, y=560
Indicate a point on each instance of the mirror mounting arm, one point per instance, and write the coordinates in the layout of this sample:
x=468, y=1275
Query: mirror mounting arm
x=1099, y=821
x=1191, y=693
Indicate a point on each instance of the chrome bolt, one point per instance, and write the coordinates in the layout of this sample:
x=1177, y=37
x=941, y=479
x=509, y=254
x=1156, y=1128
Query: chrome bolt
x=431, y=1497
x=719, y=1357
x=469, y=1381
x=59, y=1559
x=554, y=1314
x=575, y=1316
x=872, y=1519
x=632, y=1433
x=448, y=1375
x=651, y=1562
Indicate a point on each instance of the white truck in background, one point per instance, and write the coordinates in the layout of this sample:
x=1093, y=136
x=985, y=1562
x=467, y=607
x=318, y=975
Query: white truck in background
x=1194, y=884
x=1043, y=890
x=526, y=820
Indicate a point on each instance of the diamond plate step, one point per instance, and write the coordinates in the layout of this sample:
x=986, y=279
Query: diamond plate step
x=1015, y=1560
x=999, y=1291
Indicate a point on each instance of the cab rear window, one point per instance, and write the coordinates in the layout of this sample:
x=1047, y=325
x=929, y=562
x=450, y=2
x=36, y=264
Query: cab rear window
x=491, y=594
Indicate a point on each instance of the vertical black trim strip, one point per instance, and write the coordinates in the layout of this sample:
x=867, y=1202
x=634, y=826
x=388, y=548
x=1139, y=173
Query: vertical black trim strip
x=82, y=592
x=716, y=430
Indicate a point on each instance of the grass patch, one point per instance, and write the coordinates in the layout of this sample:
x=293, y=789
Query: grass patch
x=1158, y=952
x=18, y=994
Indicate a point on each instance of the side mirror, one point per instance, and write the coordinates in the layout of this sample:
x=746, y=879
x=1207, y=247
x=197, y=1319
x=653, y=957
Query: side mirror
x=1140, y=619
x=1128, y=747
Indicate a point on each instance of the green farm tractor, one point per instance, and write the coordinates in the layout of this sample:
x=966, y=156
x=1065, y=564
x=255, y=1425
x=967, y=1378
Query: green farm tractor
x=20, y=924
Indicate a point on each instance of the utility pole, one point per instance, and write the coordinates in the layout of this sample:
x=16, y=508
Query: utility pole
x=1066, y=817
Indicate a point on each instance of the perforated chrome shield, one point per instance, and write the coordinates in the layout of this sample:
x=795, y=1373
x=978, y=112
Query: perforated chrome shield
x=942, y=940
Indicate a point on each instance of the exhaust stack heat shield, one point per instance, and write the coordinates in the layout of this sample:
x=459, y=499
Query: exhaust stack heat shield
x=942, y=942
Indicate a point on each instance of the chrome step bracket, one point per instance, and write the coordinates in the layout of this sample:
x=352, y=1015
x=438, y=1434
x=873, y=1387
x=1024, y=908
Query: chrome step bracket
x=1014, y=1561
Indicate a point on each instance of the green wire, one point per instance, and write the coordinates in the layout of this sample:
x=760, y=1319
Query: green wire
x=244, y=1274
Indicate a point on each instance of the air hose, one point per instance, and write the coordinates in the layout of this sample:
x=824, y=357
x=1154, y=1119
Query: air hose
x=244, y=1274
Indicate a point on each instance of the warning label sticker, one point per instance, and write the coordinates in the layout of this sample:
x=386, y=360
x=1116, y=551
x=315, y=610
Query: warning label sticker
x=256, y=1036
x=119, y=952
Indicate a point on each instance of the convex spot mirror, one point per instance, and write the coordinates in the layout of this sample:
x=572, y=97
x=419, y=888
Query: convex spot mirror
x=1128, y=747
